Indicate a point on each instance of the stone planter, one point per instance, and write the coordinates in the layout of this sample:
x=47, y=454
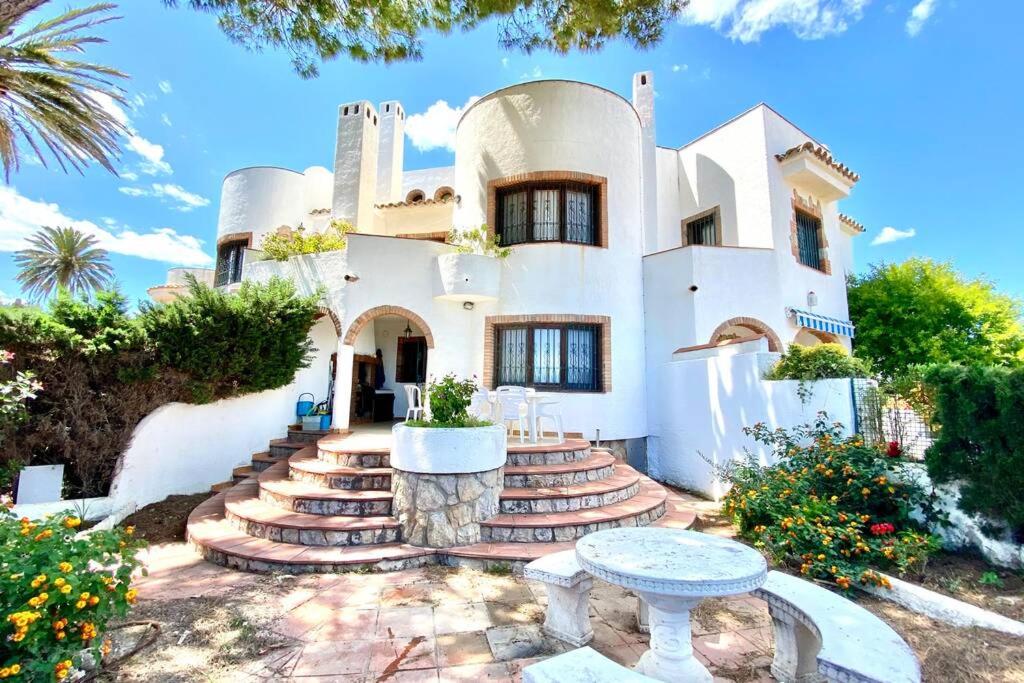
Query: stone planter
x=445, y=482
x=40, y=484
x=469, y=277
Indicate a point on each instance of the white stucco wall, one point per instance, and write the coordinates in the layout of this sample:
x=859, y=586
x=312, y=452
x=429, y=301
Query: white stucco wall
x=553, y=125
x=259, y=200
x=391, y=152
x=699, y=409
x=428, y=180
x=355, y=164
x=181, y=448
x=418, y=218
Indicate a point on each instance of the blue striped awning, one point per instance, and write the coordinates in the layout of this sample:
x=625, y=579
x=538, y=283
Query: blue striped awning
x=822, y=323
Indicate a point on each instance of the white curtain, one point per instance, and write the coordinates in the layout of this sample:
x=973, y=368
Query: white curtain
x=545, y=215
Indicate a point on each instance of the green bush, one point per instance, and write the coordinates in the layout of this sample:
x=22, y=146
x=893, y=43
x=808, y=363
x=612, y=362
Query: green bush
x=282, y=246
x=979, y=415
x=478, y=241
x=832, y=507
x=824, y=361
x=102, y=370
x=58, y=592
x=449, y=399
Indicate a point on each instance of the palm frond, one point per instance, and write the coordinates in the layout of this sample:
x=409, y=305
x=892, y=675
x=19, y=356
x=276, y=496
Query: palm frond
x=48, y=99
x=62, y=257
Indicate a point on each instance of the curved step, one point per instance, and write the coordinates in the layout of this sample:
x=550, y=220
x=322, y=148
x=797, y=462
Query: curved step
x=597, y=466
x=305, y=466
x=219, y=542
x=621, y=486
x=353, y=451
x=282, y=448
x=263, y=460
x=298, y=496
x=247, y=513
x=570, y=450
x=640, y=510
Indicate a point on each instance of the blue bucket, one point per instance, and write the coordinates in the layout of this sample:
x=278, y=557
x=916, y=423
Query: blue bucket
x=302, y=408
x=325, y=422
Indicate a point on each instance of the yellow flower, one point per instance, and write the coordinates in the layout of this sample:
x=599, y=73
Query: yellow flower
x=65, y=567
x=59, y=581
x=80, y=604
x=131, y=595
x=66, y=588
x=93, y=601
x=129, y=530
x=72, y=522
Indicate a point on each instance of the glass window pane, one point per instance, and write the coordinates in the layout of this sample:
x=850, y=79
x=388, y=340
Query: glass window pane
x=579, y=224
x=581, y=358
x=545, y=215
x=512, y=355
x=807, y=229
x=547, y=355
x=513, y=218
x=702, y=231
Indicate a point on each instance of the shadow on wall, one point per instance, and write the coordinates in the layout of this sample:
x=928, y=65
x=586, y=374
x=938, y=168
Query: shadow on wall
x=715, y=187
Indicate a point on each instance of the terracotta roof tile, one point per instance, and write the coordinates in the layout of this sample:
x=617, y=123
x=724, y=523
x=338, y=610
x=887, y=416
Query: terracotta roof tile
x=422, y=202
x=859, y=227
x=823, y=155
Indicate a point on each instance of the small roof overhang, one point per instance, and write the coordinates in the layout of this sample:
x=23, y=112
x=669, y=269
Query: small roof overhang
x=812, y=168
x=822, y=323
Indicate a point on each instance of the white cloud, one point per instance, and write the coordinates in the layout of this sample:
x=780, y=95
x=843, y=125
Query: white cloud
x=152, y=155
x=130, y=176
x=435, y=128
x=184, y=200
x=535, y=73
x=504, y=62
x=746, y=20
x=891, y=234
x=20, y=217
x=676, y=68
x=165, y=87
x=920, y=14
x=166, y=120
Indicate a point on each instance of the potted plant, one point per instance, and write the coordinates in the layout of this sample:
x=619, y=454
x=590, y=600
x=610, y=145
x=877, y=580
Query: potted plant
x=473, y=271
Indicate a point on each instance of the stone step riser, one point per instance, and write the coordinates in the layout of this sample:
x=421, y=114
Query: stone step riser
x=261, y=465
x=315, y=537
x=553, y=458
x=355, y=459
x=539, y=481
x=344, y=482
x=281, y=451
x=572, y=532
x=305, y=437
x=527, y=506
x=259, y=567
x=316, y=506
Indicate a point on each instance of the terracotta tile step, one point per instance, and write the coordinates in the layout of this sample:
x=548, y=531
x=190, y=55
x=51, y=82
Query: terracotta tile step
x=275, y=487
x=310, y=436
x=621, y=486
x=246, y=512
x=284, y=447
x=595, y=460
x=507, y=552
x=221, y=543
x=243, y=472
x=221, y=486
x=263, y=460
x=596, y=466
x=305, y=466
x=679, y=514
x=568, y=445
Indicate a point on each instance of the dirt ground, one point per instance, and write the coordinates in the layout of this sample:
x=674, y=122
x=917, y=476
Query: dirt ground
x=164, y=522
x=961, y=576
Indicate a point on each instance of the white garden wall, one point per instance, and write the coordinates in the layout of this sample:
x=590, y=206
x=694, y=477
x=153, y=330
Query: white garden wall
x=701, y=401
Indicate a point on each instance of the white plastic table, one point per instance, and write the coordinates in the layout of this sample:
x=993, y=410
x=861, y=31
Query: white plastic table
x=672, y=570
x=533, y=399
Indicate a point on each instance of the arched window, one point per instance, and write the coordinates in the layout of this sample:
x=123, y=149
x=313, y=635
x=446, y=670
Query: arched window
x=415, y=197
x=444, y=194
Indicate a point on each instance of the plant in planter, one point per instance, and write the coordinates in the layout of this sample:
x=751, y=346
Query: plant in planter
x=478, y=241
x=449, y=399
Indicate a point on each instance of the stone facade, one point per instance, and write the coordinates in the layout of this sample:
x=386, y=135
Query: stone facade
x=445, y=510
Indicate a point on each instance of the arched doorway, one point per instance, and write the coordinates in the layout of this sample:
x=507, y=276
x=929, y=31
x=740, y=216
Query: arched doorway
x=742, y=327
x=808, y=337
x=391, y=347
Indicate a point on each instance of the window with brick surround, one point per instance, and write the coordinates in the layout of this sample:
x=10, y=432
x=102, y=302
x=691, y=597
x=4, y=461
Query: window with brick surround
x=808, y=237
x=548, y=356
x=229, y=262
x=704, y=229
x=553, y=211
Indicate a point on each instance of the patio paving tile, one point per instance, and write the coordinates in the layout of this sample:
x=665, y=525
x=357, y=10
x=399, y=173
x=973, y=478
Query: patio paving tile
x=726, y=650
x=398, y=654
x=460, y=649
x=406, y=596
x=333, y=659
x=338, y=624
x=399, y=622
x=461, y=618
x=476, y=672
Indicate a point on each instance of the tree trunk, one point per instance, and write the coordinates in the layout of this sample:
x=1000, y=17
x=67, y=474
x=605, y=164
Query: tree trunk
x=11, y=11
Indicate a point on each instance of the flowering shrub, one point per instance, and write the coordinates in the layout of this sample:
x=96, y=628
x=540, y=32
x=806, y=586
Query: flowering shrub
x=281, y=246
x=58, y=591
x=831, y=506
x=449, y=399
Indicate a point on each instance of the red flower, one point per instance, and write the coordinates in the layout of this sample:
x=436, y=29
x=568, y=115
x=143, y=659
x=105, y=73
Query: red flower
x=882, y=529
x=894, y=450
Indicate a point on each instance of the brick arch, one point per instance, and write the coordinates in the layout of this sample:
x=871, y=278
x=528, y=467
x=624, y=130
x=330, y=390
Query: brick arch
x=823, y=337
x=324, y=311
x=377, y=311
x=753, y=324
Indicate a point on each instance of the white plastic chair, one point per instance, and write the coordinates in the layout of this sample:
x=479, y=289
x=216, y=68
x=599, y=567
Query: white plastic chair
x=549, y=410
x=511, y=405
x=481, y=407
x=414, y=400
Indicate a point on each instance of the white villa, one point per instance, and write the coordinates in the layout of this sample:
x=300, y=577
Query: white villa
x=648, y=289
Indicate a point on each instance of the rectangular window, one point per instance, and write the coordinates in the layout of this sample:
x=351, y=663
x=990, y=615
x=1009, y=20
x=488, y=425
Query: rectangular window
x=808, y=238
x=230, y=256
x=547, y=212
x=559, y=357
x=411, y=363
x=703, y=229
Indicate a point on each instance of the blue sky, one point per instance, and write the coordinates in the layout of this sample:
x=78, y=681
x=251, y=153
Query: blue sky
x=917, y=96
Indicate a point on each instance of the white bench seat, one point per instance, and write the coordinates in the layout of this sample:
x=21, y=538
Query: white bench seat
x=820, y=635
x=585, y=665
x=567, y=616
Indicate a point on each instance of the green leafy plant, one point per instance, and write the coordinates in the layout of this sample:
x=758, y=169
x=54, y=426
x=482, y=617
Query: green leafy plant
x=449, y=399
x=62, y=258
x=58, y=591
x=990, y=579
x=830, y=506
x=478, y=241
x=15, y=392
x=824, y=361
x=979, y=441
x=281, y=246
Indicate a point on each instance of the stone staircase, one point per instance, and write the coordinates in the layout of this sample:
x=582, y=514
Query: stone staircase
x=316, y=502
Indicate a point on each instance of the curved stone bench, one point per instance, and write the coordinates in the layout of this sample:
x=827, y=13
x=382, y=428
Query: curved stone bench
x=567, y=616
x=823, y=636
x=585, y=665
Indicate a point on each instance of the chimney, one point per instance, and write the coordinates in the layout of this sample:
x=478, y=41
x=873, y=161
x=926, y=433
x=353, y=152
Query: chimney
x=391, y=152
x=355, y=164
x=643, y=103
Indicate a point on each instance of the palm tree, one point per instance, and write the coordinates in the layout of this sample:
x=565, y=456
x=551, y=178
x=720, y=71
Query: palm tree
x=62, y=257
x=51, y=101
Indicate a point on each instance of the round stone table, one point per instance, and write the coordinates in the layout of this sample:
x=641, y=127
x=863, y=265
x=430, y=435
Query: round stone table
x=672, y=571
